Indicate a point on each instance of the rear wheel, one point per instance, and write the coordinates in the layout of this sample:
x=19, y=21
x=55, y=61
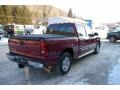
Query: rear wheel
x=112, y=39
x=64, y=63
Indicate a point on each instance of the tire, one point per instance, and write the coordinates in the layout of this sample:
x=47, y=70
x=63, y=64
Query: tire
x=8, y=35
x=64, y=64
x=97, y=48
x=0, y=38
x=112, y=39
x=28, y=33
x=21, y=65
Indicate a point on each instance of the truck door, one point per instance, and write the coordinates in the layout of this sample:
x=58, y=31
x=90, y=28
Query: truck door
x=83, y=40
x=91, y=41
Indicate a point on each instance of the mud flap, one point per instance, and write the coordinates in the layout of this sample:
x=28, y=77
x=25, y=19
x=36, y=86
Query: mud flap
x=27, y=75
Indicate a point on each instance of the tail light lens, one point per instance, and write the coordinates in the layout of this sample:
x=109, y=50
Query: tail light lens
x=43, y=48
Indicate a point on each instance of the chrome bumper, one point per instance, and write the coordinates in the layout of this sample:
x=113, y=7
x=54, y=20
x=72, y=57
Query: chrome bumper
x=24, y=61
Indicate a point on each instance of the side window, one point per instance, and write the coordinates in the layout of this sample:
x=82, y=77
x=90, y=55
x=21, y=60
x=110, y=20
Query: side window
x=10, y=27
x=81, y=30
x=88, y=31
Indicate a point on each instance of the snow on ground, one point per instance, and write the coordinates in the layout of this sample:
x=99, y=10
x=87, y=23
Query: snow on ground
x=4, y=41
x=114, y=75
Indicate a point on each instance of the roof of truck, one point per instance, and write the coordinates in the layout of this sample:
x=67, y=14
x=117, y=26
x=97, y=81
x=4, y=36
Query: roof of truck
x=59, y=19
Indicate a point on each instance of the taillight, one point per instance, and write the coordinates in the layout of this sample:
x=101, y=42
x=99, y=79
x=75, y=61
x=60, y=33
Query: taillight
x=43, y=48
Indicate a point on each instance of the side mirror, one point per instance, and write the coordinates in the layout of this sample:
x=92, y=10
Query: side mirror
x=95, y=34
x=90, y=35
x=80, y=34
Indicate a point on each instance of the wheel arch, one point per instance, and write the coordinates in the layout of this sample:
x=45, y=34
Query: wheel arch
x=68, y=50
x=111, y=36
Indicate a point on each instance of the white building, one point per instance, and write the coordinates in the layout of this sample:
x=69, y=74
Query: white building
x=102, y=30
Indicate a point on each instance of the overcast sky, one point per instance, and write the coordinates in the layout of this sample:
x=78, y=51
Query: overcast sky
x=98, y=10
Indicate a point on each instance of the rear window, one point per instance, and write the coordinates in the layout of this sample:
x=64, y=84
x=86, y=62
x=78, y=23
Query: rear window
x=16, y=26
x=9, y=27
x=19, y=26
x=37, y=27
x=61, y=29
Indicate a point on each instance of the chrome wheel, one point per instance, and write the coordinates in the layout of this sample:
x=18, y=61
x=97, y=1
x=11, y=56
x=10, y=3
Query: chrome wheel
x=66, y=64
x=97, y=49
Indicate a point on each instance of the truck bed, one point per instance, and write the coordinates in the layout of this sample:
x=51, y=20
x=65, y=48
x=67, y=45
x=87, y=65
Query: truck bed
x=29, y=45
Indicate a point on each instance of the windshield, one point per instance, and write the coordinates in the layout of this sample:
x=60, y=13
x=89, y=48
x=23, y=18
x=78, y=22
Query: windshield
x=37, y=27
x=9, y=27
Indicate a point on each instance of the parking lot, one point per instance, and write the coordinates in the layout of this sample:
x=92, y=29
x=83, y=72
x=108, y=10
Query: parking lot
x=103, y=68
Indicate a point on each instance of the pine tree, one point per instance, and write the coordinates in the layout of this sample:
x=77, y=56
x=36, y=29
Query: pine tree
x=6, y=14
x=1, y=14
x=70, y=14
x=22, y=15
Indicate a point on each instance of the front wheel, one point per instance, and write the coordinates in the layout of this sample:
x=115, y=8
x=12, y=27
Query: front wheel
x=97, y=49
x=112, y=39
x=64, y=64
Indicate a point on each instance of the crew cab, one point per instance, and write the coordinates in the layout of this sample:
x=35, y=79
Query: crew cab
x=58, y=47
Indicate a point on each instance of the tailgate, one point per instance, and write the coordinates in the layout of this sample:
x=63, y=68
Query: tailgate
x=25, y=47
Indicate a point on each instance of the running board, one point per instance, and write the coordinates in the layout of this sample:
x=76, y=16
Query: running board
x=86, y=54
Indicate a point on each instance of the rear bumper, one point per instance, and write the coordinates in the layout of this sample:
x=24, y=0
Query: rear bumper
x=25, y=61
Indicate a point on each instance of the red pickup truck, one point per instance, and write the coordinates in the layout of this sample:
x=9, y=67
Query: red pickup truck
x=58, y=47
